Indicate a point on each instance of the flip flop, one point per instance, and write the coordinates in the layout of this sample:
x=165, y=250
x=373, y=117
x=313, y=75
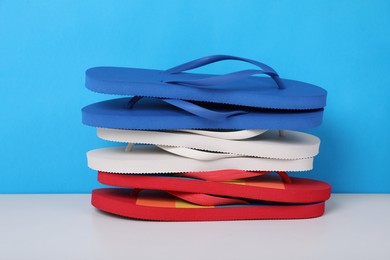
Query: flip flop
x=237, y=88
x=151, y=159
x=155, y=114
x=257, y=143
x=161, y=206
x=228, y=183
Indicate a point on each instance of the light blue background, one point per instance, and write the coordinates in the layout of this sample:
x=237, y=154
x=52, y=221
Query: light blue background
x=45, y=47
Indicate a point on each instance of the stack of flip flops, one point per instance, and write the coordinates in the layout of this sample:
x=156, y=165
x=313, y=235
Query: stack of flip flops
x=206, y=147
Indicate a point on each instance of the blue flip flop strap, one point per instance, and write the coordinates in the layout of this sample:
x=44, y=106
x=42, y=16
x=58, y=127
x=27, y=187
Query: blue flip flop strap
x=193, y=109
x=222, y=79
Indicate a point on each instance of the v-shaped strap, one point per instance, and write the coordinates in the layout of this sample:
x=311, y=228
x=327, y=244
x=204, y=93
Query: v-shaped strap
x=222, y=175
x=231, y=174
x=216, y=82
x=205, y=199
x=193, y=109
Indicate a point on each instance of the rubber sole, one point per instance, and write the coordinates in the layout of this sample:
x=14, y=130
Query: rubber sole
x=158, y=206
x=153, y=114
x=150, y=159
x=266, y=187
x=292, y=145
x=253, y=91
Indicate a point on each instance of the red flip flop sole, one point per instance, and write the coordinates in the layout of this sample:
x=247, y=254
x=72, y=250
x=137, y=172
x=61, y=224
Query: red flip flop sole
x=266, y=187
x=160, y=206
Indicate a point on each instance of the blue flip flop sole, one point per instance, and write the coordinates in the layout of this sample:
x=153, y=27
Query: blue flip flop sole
x=154, y=114
x=253, y=91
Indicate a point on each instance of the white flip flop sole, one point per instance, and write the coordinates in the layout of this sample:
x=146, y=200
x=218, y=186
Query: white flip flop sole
x=151, y=159
x=257, y=143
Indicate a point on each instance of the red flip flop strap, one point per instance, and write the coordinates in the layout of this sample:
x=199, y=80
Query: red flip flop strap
x=222, y=175
x=230, y=174
x=285, y=177
x=206, y=200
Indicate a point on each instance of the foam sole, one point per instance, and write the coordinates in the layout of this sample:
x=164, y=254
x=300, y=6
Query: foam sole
x=292, y=145
x=266, y=187
x=153, y=114
x=251, y=91
x=157, y=205
x=150, y=159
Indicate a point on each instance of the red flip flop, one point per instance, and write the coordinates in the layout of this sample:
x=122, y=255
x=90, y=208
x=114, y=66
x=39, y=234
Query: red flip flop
x=231, y=183
x=162, y=206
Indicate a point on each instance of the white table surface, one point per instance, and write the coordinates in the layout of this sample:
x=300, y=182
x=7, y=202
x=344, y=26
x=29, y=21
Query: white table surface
x=355, y=226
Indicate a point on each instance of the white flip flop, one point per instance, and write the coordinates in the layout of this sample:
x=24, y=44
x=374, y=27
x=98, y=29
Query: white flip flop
x=256, y=143
x=151, y=159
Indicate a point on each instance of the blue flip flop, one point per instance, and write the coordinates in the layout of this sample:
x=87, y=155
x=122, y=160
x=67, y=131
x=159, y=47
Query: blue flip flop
x=237, y=88
x=165, y=114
